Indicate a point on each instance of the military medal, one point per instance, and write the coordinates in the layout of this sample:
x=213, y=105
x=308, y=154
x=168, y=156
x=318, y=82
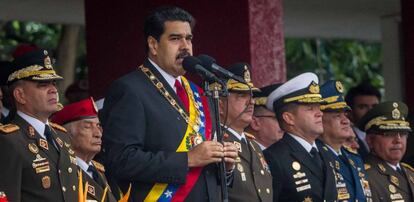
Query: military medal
x=33, y=148
x=296, y=165
x=73, y=160
x=43, y=143
x=59, y=141
x=71, y=151
x=381, y=167
x=40, y=164
x=31, y=131
x=337, y=165
x=91, y=189
x=240, y=167
x=46, y=182
x=392, y=188
x=395, y=180
x=243, y=176
x=238, y=145
x=67, y=144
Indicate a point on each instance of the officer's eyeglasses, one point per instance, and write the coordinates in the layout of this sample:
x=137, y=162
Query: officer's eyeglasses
x=394, y=134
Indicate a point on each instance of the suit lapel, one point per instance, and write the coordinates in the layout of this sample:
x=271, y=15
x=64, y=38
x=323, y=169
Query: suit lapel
x=410, y=180
x=302, y=156
x=167, y=86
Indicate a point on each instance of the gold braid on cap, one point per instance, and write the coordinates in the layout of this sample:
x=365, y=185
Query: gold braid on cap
x=382, y=123
x=33, y=70
x=307, y=98
x=337, y=105
x=260, y=100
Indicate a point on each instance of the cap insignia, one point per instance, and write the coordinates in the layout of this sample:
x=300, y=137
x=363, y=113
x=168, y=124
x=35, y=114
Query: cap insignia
x=48, y=63
x=247, y=74
x=314, y=88
x=339, y=87
x=396, y=114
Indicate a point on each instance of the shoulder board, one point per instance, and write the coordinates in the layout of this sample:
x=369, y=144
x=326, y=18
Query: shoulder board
x=367, y=166
x=351, y=150
x=250, y=136
x=407, y=166
x=58, y=127
x=9, y=128
x=98, y=166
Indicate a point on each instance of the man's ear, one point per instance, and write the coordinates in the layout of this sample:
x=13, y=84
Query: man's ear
x=255, y=123
x=152, y=45
x=289, y=118
x=19, y=95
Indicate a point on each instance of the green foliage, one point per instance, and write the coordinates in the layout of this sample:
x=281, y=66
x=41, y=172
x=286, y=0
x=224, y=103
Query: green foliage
x=13, y=33
x=349, y=61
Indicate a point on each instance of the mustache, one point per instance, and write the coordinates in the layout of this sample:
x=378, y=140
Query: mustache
x=183, y=54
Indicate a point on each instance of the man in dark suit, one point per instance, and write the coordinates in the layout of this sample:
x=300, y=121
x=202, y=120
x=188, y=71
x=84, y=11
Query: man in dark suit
x=301, y=167
x=361, y=99
x=351, y=181
x=81, y=121
x=38, y=163
x=387, y=131
x=157, y=127
x=252, y=179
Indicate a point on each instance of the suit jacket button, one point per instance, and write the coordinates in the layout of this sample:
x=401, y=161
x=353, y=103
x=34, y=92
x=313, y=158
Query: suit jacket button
x=64, y=189
x=258, y=190
x=262, y=172
x=268, y=190
x=59, y=171
x=74, y=188
x=70, y=170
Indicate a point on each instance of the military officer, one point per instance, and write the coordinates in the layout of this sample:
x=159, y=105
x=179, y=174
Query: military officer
x=252, y=180
x=81, y=121
x=38, y=163
x=264, y=126
x=301, y=167
x=387, y=130
x=350, y=175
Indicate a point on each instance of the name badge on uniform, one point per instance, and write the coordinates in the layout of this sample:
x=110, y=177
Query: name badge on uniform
x=303, y=188
x=243, y=176
x=40, y=164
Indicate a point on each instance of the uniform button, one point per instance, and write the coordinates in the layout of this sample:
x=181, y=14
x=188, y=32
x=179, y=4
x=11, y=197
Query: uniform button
x=262, y=172
x=74, y=188
x=64, y=189
x=59, y=171
x=70, y=170
x=268, y=190
x=258, y=190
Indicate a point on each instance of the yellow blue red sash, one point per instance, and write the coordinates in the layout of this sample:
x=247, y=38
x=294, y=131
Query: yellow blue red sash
x=198, y=130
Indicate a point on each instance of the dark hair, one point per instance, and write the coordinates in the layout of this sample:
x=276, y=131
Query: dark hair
x=364, y=88
x=154, y=23
x=289, y=107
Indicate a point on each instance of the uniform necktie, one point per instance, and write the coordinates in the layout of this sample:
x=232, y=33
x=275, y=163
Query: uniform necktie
x=95, y=176
x=316, y=157
x=400, y=171
x=181, y=93
x=49, y=138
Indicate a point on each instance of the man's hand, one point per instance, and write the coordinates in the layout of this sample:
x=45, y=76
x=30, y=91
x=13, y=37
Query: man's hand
x=205, y=153
x=230, y=155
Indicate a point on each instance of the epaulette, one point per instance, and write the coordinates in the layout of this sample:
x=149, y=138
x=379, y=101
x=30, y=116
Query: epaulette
x=351, y=150
x=9, y=128
x=367, y=166
x=250, y=136
x=98, y=166
x=407, y=166
x=58, y=127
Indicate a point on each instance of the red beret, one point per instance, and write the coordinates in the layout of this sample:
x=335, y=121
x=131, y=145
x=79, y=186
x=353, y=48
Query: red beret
x=76, y=111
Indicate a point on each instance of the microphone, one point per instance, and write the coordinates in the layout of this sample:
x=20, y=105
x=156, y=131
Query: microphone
x=193, y=65
x=210, y=64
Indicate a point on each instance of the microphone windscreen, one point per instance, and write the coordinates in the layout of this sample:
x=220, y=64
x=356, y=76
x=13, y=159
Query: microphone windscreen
x=189, y=64
x=206, y=60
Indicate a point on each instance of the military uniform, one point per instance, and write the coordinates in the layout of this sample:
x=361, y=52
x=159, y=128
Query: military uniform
x=386, y=183
x=389, y=182
x=301, y=171
x=31, y=170
x=38, y=163
x=95, y=188
x=252, y=178
x=351, y=184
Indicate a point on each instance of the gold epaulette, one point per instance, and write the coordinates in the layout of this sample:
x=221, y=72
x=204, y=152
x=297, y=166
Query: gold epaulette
x=351, y=150
x=98, y=166
x=58, y=127
x=250, y=136
x=407, y=166
x=9, y=128
x=367, y=166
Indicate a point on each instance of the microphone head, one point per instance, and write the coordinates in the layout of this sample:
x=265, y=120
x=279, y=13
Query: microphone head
x=189, y=64
x=206, y=60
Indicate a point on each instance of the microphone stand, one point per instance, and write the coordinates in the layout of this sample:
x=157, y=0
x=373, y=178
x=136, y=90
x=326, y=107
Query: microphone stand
x=215, y=93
